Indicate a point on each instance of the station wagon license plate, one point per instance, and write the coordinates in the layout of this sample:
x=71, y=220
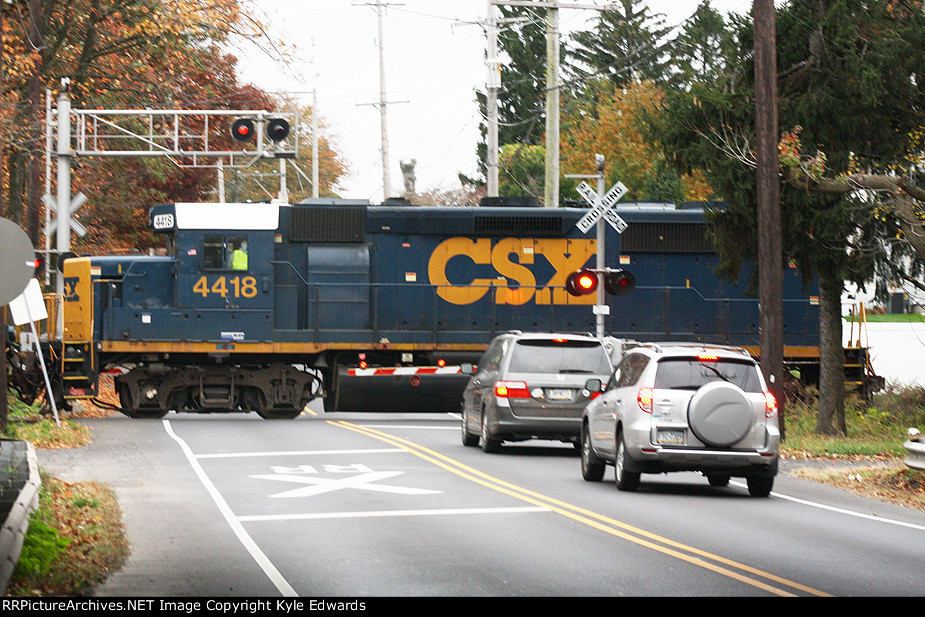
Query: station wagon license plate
x=559, y=394
x=670, y=437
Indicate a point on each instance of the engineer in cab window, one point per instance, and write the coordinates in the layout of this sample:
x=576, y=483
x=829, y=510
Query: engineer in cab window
x=239, y=257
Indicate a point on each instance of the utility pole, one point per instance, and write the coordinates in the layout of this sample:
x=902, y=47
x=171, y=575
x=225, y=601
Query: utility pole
x=770, y=262
x=492, y=88
x=383, y=109
x=551, y=188
x=493, y=85
x=383, y=114
x=315, y=143
x=551, y=192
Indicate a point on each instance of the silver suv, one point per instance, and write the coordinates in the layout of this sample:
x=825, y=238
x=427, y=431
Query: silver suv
x=683, y=407
x=531, y=386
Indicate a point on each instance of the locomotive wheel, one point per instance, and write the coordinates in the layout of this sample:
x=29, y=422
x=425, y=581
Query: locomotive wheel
x=125, y=401
x=259, y=403
x=129, y=409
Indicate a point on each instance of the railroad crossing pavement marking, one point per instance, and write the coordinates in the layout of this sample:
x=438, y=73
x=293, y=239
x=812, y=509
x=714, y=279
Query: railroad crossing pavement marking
x=362, y=481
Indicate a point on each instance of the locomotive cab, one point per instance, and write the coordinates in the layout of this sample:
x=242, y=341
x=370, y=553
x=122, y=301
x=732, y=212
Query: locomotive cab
x=210, y=297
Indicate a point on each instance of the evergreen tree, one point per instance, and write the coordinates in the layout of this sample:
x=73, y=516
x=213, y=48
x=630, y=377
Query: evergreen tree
x=627, y=43
x=702, y=49
x=847, y=84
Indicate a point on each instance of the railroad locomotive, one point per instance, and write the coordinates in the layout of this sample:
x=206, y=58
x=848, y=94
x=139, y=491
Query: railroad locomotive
x=374, y=307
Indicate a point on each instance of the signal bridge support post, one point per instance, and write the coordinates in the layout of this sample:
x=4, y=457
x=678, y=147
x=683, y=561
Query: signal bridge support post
x=108, y=133
x=63, y=229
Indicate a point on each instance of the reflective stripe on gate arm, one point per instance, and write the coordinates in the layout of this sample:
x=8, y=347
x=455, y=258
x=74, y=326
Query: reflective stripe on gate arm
x=404, y=370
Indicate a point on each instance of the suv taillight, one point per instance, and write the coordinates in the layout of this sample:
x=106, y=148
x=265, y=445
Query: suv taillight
x=644, y=399
x=770, y=405
x=511, y=389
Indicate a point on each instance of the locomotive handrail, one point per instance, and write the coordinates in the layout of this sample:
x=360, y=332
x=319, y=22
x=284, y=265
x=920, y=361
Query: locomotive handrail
x=488, y=323
x=291, y=267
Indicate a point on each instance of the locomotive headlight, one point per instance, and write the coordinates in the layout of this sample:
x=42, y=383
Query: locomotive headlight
x=150, y=394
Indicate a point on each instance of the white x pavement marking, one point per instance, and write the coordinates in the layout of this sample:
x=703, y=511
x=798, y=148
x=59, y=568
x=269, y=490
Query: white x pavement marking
x=363, y=481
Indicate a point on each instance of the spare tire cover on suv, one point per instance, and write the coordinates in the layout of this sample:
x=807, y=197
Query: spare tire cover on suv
x=720, y=414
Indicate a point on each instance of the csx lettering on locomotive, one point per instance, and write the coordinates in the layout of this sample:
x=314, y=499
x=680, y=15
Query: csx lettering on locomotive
x=563, y=254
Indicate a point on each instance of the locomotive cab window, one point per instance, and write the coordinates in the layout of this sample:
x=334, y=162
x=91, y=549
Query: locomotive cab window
x=224, y=253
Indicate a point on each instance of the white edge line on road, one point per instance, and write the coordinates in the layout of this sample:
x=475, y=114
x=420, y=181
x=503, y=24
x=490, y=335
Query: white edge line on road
x=869, y=517
x=274, y=575
x=387, y=513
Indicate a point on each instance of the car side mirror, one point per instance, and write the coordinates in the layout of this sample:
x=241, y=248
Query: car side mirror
x=594, y=385
x=467, y=369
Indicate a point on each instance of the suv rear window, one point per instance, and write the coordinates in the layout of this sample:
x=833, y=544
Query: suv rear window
x=565, y=356
x=691, y=373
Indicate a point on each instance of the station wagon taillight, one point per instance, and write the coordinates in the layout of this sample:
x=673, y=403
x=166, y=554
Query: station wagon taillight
x=511, y=389
x=644, y=399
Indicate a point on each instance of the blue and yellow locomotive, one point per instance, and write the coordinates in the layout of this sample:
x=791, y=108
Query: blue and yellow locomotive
x=263, y=307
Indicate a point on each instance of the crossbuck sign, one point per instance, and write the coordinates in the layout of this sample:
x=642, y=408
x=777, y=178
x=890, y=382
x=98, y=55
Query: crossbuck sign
x=601, y=207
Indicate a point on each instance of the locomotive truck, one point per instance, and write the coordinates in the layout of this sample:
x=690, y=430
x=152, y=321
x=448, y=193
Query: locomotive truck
x=374, y=307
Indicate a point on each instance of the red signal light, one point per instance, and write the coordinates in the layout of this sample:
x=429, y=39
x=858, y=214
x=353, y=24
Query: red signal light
x=619, y=283
x=38, y=263
x=581, y=283
x=277, y=129
x=242, y=129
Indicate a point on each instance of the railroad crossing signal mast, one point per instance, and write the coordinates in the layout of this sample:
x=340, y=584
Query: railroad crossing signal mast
x=601, y=278
x=189, y=138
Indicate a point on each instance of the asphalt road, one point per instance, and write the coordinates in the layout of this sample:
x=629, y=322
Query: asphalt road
x=351, y=505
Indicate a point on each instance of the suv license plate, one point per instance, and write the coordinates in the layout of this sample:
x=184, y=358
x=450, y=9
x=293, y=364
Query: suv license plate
x=671, y=437
x=559, y=394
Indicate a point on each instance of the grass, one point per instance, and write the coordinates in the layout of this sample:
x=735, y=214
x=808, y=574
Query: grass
x=874, y=444
x=876, y=429
x=78, y=536
x=75, y=540
x=891, y=318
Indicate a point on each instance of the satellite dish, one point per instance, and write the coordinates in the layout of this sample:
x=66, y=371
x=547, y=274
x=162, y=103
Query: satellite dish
x=18, y=258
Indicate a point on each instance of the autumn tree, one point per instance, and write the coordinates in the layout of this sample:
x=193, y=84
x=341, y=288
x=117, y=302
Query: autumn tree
x=130, y=54
x=608, y=120
x=521, y=170
x=468, y=193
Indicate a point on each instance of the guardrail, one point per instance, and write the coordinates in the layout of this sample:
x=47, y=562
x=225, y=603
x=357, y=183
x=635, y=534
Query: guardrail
x=19, y=497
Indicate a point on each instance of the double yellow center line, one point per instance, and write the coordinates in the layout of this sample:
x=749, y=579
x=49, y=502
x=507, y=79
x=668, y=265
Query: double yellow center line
x=715, y=563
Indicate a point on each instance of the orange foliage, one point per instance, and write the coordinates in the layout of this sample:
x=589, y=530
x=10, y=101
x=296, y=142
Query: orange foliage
x=612, y=124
